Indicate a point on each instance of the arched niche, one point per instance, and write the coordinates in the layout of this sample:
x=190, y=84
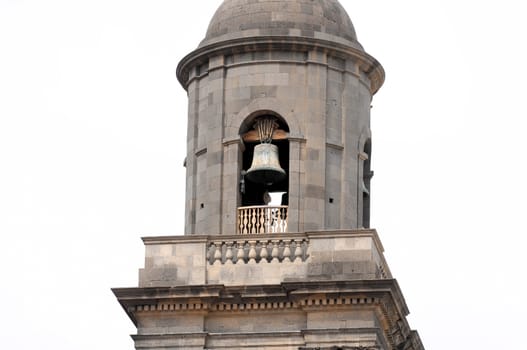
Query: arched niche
x=253, y=193
x=367, y=174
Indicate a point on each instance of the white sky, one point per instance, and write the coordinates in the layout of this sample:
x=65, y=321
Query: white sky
x=92, y=142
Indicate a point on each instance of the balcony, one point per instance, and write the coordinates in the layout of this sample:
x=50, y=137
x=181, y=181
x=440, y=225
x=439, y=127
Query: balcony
x=262, y=219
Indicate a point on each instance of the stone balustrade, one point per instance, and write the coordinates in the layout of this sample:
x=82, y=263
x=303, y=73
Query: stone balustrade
x=270, y=258
x=257, y=251
x=262, y=219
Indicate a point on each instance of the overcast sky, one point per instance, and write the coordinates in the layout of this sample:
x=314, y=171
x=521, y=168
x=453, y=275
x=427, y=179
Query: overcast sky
x=92, y=143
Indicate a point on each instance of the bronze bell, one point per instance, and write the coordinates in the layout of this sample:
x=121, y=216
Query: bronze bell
x=265, y=167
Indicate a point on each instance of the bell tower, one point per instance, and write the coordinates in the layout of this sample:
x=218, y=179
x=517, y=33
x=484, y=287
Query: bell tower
x=277, y=251
x=300, y=64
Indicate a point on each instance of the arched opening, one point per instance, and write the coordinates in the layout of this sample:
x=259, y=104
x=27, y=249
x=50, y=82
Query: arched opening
x=367, y=174
x=264, y=176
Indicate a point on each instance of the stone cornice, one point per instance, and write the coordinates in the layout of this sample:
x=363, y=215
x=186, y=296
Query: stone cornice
x=274, y=236
x=134, y=295
x=384, y=294
x=175, y=239
x=368, y=64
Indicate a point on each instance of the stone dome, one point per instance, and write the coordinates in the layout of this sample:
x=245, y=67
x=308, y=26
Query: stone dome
x=320, y=19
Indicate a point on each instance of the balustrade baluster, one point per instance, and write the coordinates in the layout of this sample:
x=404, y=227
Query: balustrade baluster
x=246, y=221
x=275, y=252
x=298, y=250
x=240, y=221
x=252, y=252
x=283, y=219
x=287, y=251
x=228, y=254
x=262, y=217
x=217, y=254
x=210, y=255
x=276, y=220
x=264, y=253
x=240, y=256
x=254, y=220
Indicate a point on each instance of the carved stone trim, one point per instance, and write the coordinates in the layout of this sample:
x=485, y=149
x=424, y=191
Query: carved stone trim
x=169, y=307
x=254, y=306
x=305, y=304
x=317, y=303
x=243, y=251
x=381, y=295
x=368, y=64
x=339, y=147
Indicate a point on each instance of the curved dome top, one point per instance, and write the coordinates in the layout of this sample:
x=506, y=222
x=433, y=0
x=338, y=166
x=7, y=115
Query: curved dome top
x=321, y=19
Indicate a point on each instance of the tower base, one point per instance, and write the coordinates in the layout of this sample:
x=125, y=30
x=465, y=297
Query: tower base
x=314, y=290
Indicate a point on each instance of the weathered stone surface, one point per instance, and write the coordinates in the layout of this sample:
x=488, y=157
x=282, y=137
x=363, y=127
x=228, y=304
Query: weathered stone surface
x=324, y=19
x=289, y=315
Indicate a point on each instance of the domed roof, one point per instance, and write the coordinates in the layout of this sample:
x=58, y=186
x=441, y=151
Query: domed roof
x=321, y=19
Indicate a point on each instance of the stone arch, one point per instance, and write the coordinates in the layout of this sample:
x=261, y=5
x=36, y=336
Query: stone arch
x=247, y=123
x=259, y=106
x=365, y=135
x=365, y=175
x=256, y=188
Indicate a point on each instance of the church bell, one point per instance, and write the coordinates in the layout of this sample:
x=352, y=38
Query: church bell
x=265, y=167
